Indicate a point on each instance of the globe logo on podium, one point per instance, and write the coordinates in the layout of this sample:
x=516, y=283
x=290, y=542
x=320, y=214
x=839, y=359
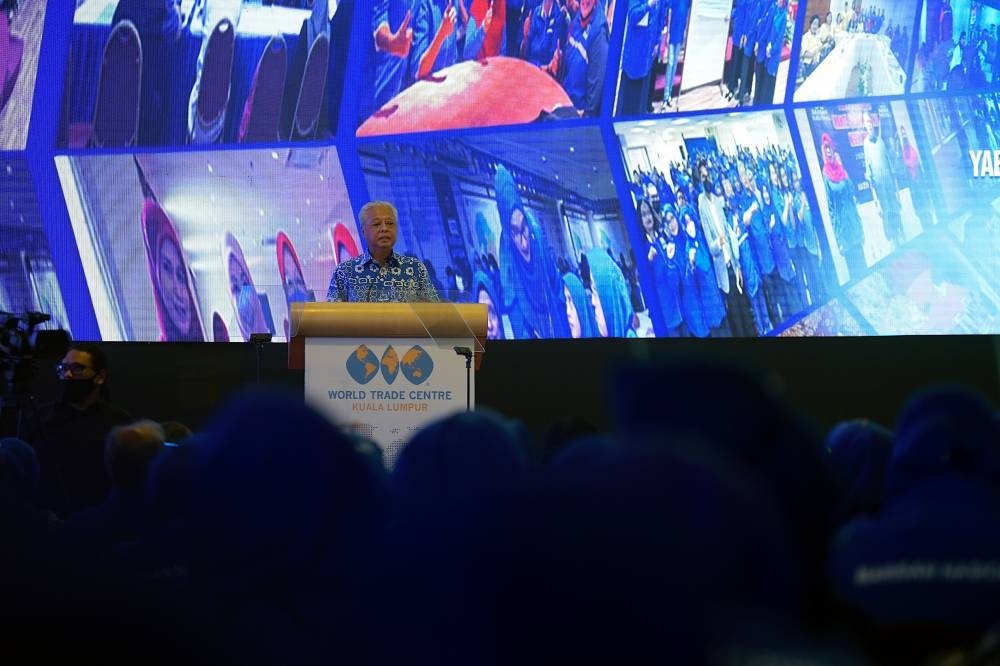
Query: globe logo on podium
x=417, y=365
x=362, y=365
x=390, y=365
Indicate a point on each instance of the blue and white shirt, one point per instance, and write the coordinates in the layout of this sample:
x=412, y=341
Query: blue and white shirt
x=401, y=279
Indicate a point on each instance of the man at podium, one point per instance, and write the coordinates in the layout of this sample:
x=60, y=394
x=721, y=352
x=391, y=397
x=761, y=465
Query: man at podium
x=381, y=275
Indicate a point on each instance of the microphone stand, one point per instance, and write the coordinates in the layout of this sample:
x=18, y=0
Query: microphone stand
x=258, y=340
x=467, y=353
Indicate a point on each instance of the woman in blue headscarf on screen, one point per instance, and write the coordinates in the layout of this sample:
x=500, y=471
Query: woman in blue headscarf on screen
x=484, y=291
x=532, y=290
x=661, y=254
x=610, y=296
x=698, y=306
x=579, y=308
x=246, y=302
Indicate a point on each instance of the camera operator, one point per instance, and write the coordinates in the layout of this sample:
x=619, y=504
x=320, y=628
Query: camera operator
x=71, y=438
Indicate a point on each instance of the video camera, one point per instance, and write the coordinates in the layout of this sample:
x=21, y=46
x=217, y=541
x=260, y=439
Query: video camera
x=21, y=342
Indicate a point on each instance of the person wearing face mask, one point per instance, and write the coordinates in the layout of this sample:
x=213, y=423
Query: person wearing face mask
x=246, y=302
x=70, y=438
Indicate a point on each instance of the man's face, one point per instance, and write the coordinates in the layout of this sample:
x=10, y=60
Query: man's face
x=587, y=7
x=380, y=229
x=78, y=365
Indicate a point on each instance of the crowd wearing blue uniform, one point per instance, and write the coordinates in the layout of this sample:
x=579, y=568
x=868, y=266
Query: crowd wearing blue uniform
x=759, y=29
x=566, y=39
x=654, y=34
x=732, y=246
x=545, y=297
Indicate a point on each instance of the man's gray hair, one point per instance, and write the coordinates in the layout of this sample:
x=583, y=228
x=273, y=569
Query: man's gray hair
x=371, y=205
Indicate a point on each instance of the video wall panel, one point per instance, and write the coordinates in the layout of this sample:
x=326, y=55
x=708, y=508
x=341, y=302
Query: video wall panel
x=21, y=26
x=620, y=168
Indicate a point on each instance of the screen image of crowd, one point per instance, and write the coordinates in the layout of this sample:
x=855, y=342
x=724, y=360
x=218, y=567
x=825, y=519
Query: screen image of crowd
x=862, y=49
x=207, y=246
x=731, y=244
x=202, y=72
x=527, y=223
x=957, y=46
x=21, y=27
x=742, y=56
x=28, y=281
x=446, y=64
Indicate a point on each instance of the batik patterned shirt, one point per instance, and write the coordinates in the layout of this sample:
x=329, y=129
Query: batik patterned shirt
x=401, y=279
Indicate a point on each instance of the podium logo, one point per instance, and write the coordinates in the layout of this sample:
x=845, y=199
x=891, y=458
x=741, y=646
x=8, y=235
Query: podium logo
x=416, y=365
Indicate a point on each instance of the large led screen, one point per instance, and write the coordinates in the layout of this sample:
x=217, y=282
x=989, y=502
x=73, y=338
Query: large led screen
x=516, y=221
x=21, y=23
x=586, y=168
x=201, y=246
x=28, y=281
x=202, y=71
x=433, y=65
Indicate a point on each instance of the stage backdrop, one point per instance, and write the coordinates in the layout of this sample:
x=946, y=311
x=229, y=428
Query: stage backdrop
x=586, y=168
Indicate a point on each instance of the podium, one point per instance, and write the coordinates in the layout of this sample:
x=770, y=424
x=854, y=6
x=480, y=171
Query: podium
x=384, y=370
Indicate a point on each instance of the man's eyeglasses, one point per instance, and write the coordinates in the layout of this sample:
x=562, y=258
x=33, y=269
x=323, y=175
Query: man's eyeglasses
x=71, y=369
